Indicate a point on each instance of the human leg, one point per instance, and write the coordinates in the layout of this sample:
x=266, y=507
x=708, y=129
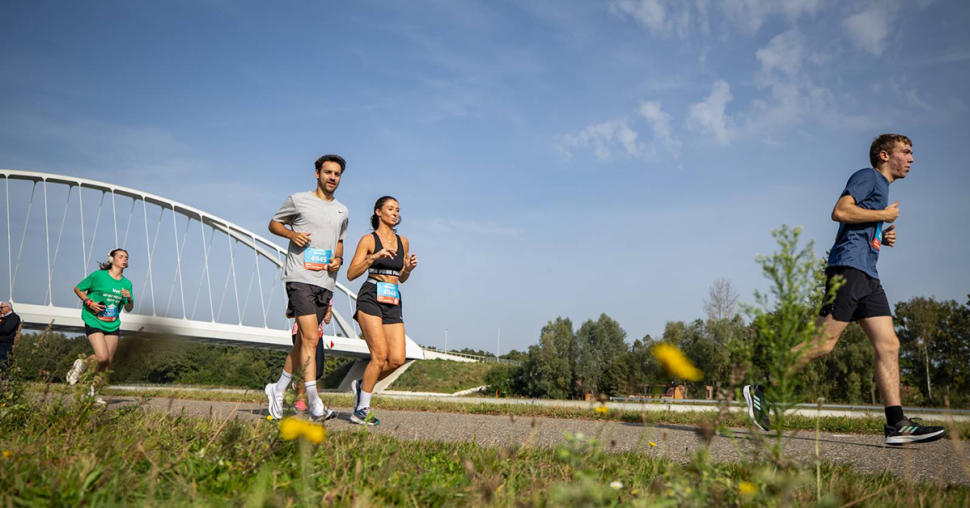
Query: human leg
x=394, y=339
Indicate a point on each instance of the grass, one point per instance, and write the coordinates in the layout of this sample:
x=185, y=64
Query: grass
x=74, y=453
x=833, y=424
x=442, y=376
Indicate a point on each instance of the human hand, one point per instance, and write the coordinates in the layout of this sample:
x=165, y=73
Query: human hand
x=125, y=293
x=383, y=254
x=889, y=236
x=329, y=315
x=96, y=307
x=335, y=264
x=410, y=263
x=892, y=212
x=300, y=239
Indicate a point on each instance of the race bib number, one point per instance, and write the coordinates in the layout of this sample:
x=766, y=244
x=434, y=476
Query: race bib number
x=388, y=293
x=877, y=241
x=316, y=259
x=109, y=314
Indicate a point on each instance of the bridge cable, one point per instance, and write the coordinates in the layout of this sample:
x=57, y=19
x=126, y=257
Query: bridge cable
x=23, y=239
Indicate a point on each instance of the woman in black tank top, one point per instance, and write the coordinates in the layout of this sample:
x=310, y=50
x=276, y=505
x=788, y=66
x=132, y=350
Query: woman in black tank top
x=385, y=258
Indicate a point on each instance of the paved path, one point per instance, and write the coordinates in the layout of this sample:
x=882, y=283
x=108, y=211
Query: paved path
x=944, y=461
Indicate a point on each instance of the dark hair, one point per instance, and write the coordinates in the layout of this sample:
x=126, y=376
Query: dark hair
x=331, y=158
x=885, y=143
x=374, y=219
x=111, y=255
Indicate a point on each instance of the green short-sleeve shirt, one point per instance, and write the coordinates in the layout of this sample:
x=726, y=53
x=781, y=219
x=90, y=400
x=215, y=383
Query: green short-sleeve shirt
x=101, y=287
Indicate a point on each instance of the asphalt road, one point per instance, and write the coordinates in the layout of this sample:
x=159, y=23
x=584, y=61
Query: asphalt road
x=943, y=461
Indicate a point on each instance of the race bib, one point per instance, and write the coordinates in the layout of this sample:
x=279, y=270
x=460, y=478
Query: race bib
x=388, y=293
x=877, y=241
x=316, y=259
x=110, y=313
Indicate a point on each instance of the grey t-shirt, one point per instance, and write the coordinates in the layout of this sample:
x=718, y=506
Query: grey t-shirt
x=326, y=222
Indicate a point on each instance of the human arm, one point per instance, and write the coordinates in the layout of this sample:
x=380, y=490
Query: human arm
x=94, y=306
x=847, y=211
x=280, y=229
x=410, y=261
x=129, y=301
x=284, y=216
x=363, y=257
x=338, y=257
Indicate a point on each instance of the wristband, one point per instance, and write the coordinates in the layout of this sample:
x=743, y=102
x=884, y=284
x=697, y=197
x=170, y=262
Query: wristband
x=339, y=257
x=88, y=302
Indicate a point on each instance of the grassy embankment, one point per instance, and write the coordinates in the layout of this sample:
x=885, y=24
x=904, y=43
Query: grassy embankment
x=74, y=453
x=442, y=376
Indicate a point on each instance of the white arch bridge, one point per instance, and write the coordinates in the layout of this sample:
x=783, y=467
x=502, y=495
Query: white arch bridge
x=195, y=275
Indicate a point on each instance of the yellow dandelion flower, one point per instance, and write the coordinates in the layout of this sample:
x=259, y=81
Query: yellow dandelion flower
x=675, y=364
x=7, y=454
x=292, y=428
x=602, y=410
x=748, y=488
x=269, y=417
x=652, y=443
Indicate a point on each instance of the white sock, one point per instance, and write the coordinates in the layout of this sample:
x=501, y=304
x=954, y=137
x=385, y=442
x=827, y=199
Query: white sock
x=312, y=397
x=284, y=382
x=364, y=400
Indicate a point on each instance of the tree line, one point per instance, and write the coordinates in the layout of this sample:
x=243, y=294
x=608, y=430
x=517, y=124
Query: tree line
x=596, y=359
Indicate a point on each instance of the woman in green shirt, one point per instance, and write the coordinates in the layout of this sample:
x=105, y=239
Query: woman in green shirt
x=104, y=293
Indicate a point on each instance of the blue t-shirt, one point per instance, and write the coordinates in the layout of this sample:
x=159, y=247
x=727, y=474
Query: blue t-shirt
x=857, y=245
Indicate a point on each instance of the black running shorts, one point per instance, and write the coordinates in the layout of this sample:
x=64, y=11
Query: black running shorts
x=860, y=296
x=368, y=304
x=88, y=330
x=306, y=299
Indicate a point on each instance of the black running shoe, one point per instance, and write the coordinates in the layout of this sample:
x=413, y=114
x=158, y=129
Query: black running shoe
x=910, y=430
x=754, y=395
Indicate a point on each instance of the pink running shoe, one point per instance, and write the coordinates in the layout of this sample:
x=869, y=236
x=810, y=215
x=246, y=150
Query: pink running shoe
x=300, y=405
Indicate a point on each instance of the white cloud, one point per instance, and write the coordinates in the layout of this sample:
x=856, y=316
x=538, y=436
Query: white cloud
x=710, y=115
x=783, y=55
x=867, y=30
x=659, y=121
x=606, y=139
x=661, y=17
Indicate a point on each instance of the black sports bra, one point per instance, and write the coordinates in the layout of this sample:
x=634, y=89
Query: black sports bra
x=385, y=266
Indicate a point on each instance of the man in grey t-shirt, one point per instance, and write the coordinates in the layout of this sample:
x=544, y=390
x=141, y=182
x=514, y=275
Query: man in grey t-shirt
x=318, y=224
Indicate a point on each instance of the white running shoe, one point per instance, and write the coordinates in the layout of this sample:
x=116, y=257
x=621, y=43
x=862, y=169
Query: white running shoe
x=75, y=373
x=321, y=413
x=275, y=401
x=97, y=398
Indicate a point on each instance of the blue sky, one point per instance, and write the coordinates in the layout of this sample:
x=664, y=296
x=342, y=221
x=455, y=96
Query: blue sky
x=551, y=158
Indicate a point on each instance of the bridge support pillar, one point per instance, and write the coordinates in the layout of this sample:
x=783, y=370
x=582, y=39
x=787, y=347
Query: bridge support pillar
x=357, y=372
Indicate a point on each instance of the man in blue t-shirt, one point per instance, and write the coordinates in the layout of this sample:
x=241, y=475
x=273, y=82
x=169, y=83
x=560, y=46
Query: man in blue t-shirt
x=862, y=211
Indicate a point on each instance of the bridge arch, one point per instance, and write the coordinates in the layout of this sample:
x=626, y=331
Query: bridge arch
x=180, y=255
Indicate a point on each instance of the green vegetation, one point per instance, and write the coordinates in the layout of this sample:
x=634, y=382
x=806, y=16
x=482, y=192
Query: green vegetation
x=162, y=361
x=75, y=453
x=441, y=376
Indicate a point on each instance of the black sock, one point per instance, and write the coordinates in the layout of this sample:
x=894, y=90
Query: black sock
x=894, y=414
